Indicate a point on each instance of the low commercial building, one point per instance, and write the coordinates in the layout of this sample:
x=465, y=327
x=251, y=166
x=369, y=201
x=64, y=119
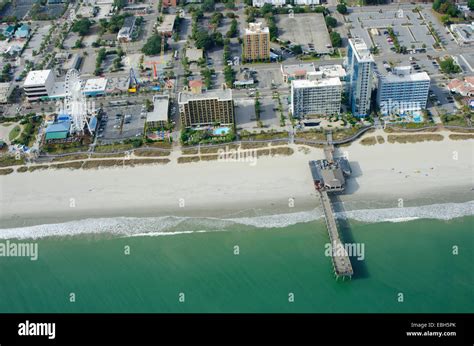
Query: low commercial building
x=205, y=109
x=194, y=54
x=57, y=131
x=167, y=26
x=195, y=86
x=307, y=2
x=126, y=32
x=402, y=91
x=38, y=84
x=297, y=71
x=316, y=96
x=463, y=33
x=462, y=87
x=169, y=3
x=6, y=90
x=22, y=32
x=95, y=87
x=256, y=42
x=158, y=118
x=261, y=3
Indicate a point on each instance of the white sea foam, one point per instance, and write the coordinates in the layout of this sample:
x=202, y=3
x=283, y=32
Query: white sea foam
x=172, y=225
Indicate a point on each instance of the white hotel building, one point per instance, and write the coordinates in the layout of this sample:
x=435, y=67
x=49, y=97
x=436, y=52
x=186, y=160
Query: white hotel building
x=318, y=95
x=402, y=91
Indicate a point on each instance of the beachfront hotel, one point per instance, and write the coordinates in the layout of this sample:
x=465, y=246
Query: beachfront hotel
x=216, y=106
x=317, y=95
x=360, y=67
x=256, y=42
x=402, y=91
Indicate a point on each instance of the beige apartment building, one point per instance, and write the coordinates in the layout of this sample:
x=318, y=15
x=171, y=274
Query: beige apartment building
x=216, y=106
x=256, y=42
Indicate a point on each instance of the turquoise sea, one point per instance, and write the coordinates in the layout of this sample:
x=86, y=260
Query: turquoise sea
x=278, y=255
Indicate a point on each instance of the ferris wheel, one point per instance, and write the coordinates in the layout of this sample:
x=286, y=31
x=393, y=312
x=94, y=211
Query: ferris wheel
x=75, y=102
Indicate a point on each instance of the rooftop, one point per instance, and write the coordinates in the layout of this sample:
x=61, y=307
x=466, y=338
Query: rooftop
x=167, y=24
x=160, y=109
x=256, y=28
x=317, y=80
x=95, y=84
x=298, y=69
x=222, y=95
x=404, y=74
x=193, y=54
x=361, y=49
x=37, y=77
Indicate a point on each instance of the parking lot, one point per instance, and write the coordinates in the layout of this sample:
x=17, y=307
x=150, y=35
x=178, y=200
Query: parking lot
x=128, y=124
x=245, y=117
x=307, y=30
x=411, y=29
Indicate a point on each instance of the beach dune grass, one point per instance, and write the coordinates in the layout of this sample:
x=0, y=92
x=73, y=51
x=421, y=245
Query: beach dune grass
x=368, y=140
x=188, y=159
x=70, y=157
x=416, y=138
x=6, y=171
x=10, y=160
x=457, y=136
x=285, y=151
x=151, y=153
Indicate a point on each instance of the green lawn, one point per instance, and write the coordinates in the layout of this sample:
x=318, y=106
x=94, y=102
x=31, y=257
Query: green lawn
x=14, y=133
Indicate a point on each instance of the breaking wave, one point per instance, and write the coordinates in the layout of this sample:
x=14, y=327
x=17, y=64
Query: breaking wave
x=173, y=225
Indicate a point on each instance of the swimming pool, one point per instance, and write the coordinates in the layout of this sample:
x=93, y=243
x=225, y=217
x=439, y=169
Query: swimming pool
x=220, y=131
x=417, y=118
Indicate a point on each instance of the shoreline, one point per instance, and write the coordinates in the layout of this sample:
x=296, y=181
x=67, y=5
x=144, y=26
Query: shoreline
x=382, y=174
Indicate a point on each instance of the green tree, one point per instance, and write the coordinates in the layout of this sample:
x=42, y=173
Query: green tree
x=331, y=22
x=470, y=4
x=336, y=40
x=342, y=8
x=449, y=66
x=153, y=45
x=82, y=26
x=208, y=5
x=203, y=40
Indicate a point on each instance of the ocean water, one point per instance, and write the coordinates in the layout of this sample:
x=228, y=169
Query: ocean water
x=175, y=257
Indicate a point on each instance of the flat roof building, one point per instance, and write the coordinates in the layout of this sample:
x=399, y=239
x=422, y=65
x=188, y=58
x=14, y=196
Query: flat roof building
x=256, y=42
x=95, y=87
x=6, y=90
x=38, y=83
x=167, y=26
x=319, y=96
x=261, y=3
x=360, y=66
x=463, y=33
x=216, y=106
x=126, y=32
x=194, y=54
x=402, y=91
x=297, y=71
x=159, y=116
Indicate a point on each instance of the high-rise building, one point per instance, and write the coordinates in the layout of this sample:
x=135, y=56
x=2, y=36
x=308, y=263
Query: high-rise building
x=402, y=91
x=216, y=106
x=256, y=42
x=360, y=66
x=317, y=95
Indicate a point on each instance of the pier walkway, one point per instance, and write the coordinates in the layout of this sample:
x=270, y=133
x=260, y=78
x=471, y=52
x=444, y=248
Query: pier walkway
x=328, y=176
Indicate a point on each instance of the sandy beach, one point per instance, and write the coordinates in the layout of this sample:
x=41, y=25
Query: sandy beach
x=382, y=175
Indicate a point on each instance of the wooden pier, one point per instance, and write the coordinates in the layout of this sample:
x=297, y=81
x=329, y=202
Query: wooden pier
x=328, y=176
x=340, y=260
